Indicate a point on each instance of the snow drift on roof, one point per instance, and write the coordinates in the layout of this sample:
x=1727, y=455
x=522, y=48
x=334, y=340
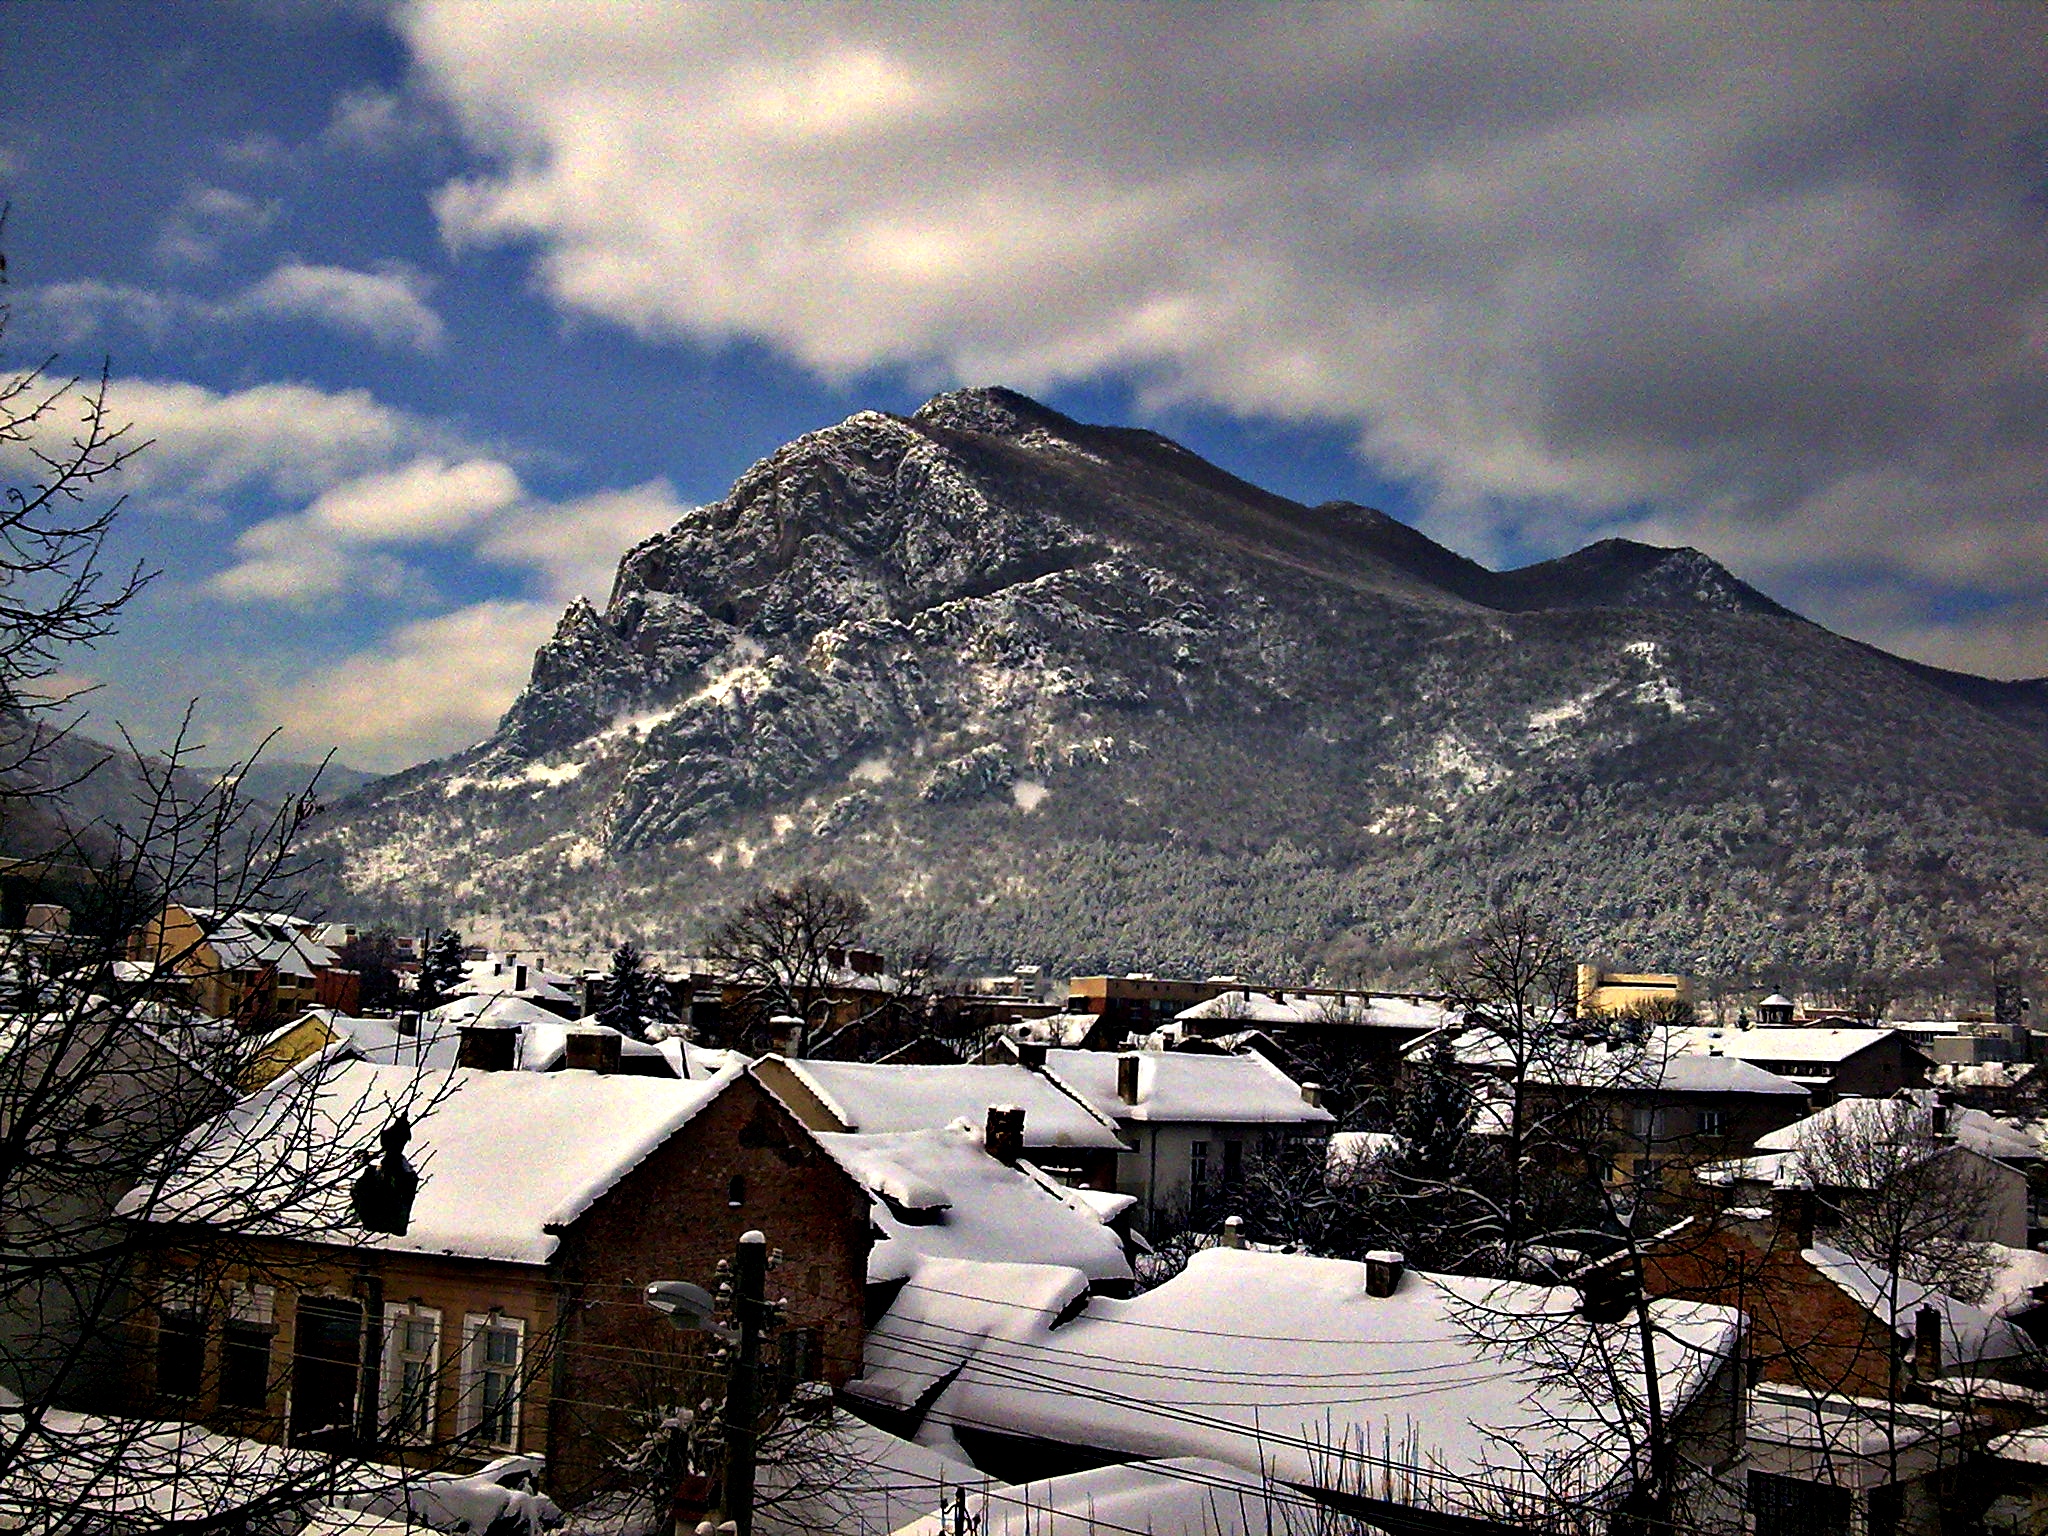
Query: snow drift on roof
x=1178, y=1088
x=1284, y=1363
x=940, y=1196
x=503, y=1157
x=877, y=1098
x=1969, y=1334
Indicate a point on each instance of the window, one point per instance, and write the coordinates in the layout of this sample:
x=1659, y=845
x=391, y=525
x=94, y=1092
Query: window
x=1645, y=1124
x=1198, y=1164
x=412, y=1349
x=245, y=1347
x=736, y=1191
x=180, y=1338
x=1713, y=1122
x=1233, y=1161
x=491, y=1390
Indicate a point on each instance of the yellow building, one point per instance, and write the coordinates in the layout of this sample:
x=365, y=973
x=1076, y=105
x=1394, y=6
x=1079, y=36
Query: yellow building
x=1616, y=991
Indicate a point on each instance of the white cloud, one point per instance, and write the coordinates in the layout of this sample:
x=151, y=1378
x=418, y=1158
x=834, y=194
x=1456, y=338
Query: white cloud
x=389, y=306
x=429, y=687
x=1571, y=270
x=206, y=220
x=288, y=440
x=576, y=545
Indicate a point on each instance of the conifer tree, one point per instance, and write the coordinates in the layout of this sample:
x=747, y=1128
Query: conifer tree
x=633, y=994
x=443, y=969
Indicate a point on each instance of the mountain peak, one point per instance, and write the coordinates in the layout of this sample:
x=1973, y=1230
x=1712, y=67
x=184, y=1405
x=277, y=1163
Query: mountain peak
x=995, y=411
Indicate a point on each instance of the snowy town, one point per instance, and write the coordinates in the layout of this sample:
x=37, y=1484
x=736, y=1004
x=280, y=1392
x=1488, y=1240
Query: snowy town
x=417, y=1235
x=1023, y=768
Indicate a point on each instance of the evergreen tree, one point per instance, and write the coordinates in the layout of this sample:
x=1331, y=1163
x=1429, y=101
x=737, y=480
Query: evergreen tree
x=635, y=997
x=443, y=970
x=1435, y=1119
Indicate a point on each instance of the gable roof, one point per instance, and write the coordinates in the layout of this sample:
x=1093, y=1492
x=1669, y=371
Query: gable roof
x=938, y=1194
x=1253, y=1005
x=506, y=1159
x=1282, y=1364
x=1177, y=1087
x=875, y=1098
x=1907, y=1116
x=1774, y=1044
x=1969, y=1334
x=1653, y=1067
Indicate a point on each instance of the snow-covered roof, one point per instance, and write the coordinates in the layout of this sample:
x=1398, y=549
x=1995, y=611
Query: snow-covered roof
x=876, y=1098
x=1178, y=1088
x=1187, y=1494
x=1904, y=1117
x=2015, y=1274
x=1850, y=1428
x=499, y=975
x=250, y=940
x=1651, y=1067
x=937, y=1194
x=1283, y=1009
x=1801, y=1043
x=1350, y=1148
x=1284, y=1364
x=505, y=1158
x=1776, y=1000
x=543, y=1037
x=1969, y=1334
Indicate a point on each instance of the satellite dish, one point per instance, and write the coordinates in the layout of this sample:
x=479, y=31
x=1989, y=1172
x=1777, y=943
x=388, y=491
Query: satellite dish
x=687, y=1306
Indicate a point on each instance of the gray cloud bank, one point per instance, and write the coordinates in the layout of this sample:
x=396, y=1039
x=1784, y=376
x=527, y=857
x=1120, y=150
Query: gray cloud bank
x=1771, y=280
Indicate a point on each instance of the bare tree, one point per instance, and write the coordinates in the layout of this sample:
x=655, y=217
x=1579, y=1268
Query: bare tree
x=109, y=1085
x=777, y=946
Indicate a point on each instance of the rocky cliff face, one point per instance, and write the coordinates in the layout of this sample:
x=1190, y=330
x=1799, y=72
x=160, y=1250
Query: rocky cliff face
x=1076, y=696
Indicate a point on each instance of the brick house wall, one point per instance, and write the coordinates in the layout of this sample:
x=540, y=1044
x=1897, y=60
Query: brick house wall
x=591, y=1351
x=673, y=1218
x=1804, y=1330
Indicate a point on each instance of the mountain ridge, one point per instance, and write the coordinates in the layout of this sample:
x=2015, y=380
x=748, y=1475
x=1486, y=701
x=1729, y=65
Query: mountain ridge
x=956, y=657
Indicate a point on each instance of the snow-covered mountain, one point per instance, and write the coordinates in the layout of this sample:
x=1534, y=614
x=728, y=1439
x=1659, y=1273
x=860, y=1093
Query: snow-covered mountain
x=1074, y=695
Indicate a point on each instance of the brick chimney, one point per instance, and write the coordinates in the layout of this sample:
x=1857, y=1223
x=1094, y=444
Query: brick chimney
x=518, y=978
x=1127, y=1077
x=1927, y=1343
x=1938, y=1118
x=1004, y=1137
x=488, y=1047
x=1792, y=1207
x=1312, y=1095
x=591, y=1050
x=1383, y=1270
x=1233, y=1231
x=1031, y=1053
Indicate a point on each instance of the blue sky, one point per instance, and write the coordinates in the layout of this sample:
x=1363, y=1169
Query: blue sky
x=432, y=309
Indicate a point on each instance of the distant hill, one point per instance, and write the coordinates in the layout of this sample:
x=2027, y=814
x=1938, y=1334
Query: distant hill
x=1076, y=696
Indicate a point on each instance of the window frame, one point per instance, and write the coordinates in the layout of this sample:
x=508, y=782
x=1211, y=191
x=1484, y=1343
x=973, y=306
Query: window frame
x=476, y=1370
x=181, y=1296
x=392, y=1398
x=251, y=1322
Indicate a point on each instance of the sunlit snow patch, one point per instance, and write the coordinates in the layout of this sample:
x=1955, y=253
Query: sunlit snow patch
x=871, y=770
x=1028, y=793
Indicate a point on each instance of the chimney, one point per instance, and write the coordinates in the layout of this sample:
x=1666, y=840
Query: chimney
x=1312, y=1094
x=1927, y=1343
x=835, y=956
x=408, y=1023
x=1031, y=1053
x=1004, y=1138
x=518, y=978
x=1233, y=1231
x=1792, y=1206
x=788, y=1031
x=591, y=1050
x=1127, y=1077
x=1607, y=1292
x=1939, y=1120
x=1383, y=1268
x=488, y=1047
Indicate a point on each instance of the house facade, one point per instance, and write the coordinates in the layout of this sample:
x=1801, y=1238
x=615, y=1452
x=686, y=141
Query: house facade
x=508, y=1316
x=1192, y=1122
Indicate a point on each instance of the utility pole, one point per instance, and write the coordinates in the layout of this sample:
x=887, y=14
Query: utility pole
x=743, y=1292
x=749, y=1306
